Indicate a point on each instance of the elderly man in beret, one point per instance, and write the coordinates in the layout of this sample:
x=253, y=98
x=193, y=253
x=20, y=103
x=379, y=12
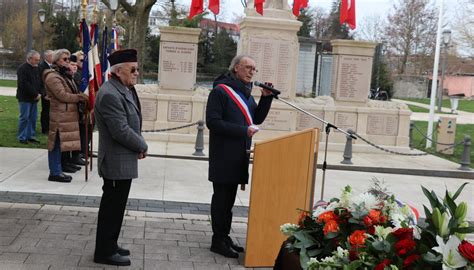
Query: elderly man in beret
x=119, y=121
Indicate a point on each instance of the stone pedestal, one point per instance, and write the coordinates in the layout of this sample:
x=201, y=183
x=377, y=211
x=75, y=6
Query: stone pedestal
x=272, y=41
x=352, y=69
x=178, y=60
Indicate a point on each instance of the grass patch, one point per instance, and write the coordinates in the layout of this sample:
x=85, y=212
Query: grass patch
x=9, y=125
x=419, y=142
x=414, y=108
x=464, y=104
x=8, y=83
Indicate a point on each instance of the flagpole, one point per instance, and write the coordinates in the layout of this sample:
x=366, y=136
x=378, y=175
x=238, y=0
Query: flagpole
x=434, y=82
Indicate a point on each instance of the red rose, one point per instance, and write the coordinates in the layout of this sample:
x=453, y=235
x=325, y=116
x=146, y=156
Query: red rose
x=326, y=216
x=466, y=250
x=357, y=238
x=330, y=227
x=383, y=264
x=410, y=260
x=403, y=233
x=371, y=230
x=353, y=254
x=367, y=221
x=404, y=246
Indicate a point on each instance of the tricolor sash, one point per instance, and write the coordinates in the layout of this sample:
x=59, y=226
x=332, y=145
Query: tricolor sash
x=239, y=102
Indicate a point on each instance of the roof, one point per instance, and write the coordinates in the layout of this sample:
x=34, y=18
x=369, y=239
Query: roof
x=211, y=24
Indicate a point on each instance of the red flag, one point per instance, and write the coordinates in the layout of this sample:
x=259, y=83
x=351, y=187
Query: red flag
x=298, y=5
x=259, y=6
x=348, y=13
x=196, y=8
x=214, y=6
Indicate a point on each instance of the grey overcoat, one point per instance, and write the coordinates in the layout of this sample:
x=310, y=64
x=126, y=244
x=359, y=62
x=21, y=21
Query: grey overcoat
x=118, y=119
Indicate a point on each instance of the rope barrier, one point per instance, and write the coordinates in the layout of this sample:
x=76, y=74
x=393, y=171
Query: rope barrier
x=170, y=129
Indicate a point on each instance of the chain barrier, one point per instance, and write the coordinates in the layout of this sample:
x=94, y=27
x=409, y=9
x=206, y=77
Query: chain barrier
x=449, y=146
x=170, y=129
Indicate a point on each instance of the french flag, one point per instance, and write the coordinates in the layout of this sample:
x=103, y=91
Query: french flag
x=105, y=54
x=114, y=45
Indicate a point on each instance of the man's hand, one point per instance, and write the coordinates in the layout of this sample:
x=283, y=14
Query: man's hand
x=266, y=92
x=142, y=155
x=251, y=130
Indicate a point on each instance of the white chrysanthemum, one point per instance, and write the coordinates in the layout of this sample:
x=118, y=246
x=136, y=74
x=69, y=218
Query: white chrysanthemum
x=329, y=259
x=313, y=263
x=341, y=253
x=381, y=232
x=366, y=201
x=289, y=229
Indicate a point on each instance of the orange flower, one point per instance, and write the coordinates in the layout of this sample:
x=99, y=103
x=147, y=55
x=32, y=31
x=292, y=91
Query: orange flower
x=327, y=216
x=374, y=215
x=331, y=226
x=357, y=238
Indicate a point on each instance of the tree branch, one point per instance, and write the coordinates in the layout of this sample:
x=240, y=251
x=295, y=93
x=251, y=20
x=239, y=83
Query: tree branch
x=129, y=8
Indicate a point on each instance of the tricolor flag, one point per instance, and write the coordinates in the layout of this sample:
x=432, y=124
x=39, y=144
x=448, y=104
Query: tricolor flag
x=95, y=53
x=114, y=40
x=105, y=54
x=348, y=14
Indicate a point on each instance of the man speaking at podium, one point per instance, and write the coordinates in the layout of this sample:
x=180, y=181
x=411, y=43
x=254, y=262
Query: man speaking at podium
x=231, y=116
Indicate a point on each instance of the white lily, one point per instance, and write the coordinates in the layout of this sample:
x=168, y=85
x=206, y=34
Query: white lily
x=451, y=257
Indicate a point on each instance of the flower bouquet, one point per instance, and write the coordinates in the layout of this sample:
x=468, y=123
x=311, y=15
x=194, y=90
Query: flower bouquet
x=374, y=230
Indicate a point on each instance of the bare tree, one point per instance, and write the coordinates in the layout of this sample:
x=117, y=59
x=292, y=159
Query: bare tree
x=411, y=30
x=321, y=22
x=464, y=27
x=137, y=19
x=371, y=28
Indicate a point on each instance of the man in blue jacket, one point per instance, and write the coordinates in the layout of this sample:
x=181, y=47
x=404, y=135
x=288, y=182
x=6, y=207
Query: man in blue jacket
x=28, y=95
x=231, y=116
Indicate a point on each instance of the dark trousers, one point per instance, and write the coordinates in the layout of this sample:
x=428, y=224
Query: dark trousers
x=221, y=209
x=111, y=211
x=82, y=132
x=44, y=118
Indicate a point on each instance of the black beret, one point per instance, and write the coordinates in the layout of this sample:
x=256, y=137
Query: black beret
x=123, y=56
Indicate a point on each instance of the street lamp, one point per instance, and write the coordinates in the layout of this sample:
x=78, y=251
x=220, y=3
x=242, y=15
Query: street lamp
x=42, y=18
x=446, y=39
x=114, y=7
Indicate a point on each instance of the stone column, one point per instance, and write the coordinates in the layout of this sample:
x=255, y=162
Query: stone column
x=178, y=60
x=271, y=39
x=352, y=70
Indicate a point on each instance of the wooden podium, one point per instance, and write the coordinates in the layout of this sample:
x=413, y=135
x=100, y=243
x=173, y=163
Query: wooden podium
x=282, y=182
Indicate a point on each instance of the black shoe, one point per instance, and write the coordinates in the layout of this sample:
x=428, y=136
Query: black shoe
x=69, y=169
x=222, y=248
x=78, y=161
x=33, y=140
x=23, y=141
x=63, y=178
x=123, y=252
x=234, y=246
x=115, y=259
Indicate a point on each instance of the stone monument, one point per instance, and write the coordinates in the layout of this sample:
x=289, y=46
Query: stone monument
x=271, y=39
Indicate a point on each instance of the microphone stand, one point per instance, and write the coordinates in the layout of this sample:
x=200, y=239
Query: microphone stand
x=327, y=129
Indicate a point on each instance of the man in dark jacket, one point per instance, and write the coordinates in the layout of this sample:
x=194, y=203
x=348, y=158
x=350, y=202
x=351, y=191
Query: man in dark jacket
x=45, y=65
x=119, y=121
x=28, y=94
x=231, y=116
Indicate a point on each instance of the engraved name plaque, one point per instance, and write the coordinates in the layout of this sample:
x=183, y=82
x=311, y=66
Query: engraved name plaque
x=180, y=111
x=177, y=65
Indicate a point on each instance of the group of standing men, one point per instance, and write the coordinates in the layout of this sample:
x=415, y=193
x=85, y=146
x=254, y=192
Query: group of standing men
x=231, y=116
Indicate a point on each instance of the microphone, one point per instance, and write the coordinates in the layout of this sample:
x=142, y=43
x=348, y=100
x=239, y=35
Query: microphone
x=269, y=88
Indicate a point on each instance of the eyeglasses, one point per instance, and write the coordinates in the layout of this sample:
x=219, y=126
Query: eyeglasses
x=66, y=59
x=251, y=68
x=134, y=69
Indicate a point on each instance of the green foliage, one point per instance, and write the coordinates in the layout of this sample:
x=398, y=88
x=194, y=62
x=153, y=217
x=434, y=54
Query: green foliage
x=65, y=33
x=307, y=19
x=419, y=140
x=336, y=30
x=215, y=52
x=464, y=104
x=152, y=52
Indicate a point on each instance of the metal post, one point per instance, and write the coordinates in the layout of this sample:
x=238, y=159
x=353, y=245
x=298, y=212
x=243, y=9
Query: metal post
x=410, y=135
x=29, y=26
x=441, y=83
x=348, y=149
x=466, y=154
x=199, y=146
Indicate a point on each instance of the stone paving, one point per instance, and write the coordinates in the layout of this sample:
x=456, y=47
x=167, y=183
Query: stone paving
x=50, y=237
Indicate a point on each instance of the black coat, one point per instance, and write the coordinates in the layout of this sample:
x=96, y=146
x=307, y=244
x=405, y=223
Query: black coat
x=42, y=67
x=228, y=140
x=29, y=83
